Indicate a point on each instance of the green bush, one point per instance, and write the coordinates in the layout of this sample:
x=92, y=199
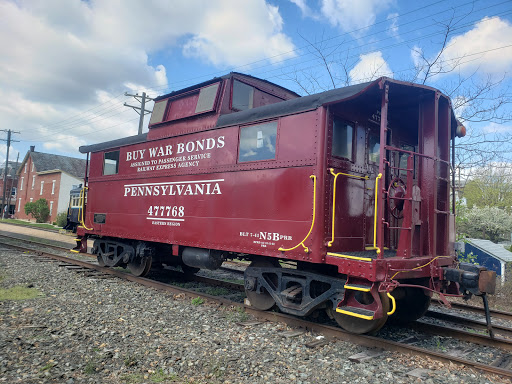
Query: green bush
x=39, y=210
x=62, y=219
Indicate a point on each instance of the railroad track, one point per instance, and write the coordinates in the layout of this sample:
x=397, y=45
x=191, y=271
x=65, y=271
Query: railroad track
x=500, y=366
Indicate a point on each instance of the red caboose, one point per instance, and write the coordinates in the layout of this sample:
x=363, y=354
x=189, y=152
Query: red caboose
x=351, y=186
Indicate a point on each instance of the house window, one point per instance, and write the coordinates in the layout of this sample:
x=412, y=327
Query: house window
x=21, y=185
x=53, y=187
x=51, y=207
x=33, y=181
x=19, y=204
x=32, y=167
x=258, y=142
x=13, y=191
x=42, y=184
x=31, y=199
x=25, y=167
x=243, y=96
x=342, y=135
x=111, y=163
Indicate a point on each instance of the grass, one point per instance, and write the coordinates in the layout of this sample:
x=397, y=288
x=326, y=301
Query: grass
x=48, y=366
x=132, y=378
x=30, y=224
x=160, y=376
x=197, y=301
x=216, y=291
x=18, y=293
x=237, y=315
x=90, y=367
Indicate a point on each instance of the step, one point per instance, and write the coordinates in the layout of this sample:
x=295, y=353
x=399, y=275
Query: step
x=358, y=287
x=356, y=312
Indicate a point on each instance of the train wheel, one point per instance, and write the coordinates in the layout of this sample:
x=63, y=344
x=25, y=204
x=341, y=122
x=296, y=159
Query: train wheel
x=262, y=301
x=359, y=326
x=411, y=304
x=101, y=262
x=140, y=266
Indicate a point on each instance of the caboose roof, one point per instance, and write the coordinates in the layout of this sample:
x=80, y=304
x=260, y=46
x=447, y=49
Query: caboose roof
x=215, y=79
x=287, y=107
x=297, y=105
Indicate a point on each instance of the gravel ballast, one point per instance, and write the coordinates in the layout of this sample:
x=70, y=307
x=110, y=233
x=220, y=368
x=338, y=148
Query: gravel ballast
x=96, y=330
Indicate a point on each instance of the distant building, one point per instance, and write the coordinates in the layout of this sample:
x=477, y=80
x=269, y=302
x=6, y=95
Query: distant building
x=488, y=254
x=11, y=182
x=47, y=176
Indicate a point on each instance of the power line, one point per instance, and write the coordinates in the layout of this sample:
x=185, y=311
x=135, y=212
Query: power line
x=77, y=116
x=76, y=120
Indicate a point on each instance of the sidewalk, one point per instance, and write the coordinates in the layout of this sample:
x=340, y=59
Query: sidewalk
x=38, y=233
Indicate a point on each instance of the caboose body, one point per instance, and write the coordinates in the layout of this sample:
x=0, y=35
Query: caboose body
x=351, y=186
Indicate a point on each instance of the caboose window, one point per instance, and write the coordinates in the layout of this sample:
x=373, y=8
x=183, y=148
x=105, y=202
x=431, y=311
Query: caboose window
x=258, y=142
x=243, y=96
x=111, y=163
x=342, y=135
x=206, y=100
x=373, y=149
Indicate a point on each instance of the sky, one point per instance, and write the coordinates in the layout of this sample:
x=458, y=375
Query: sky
x=66, y=64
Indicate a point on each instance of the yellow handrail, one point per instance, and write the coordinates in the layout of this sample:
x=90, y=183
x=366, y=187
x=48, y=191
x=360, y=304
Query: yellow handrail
x=82, y=208
x=312, y=222
x=375, y=214
x=393, y=301
x=329, y=244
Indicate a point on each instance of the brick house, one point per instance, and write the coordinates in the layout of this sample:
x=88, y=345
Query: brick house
x=47, y=176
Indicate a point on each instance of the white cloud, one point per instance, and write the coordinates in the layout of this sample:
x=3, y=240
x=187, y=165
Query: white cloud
x=304, y=8
x=497, y=128
x=353, y=16
x=369, y=67
x=235, y=35
x=60, y=58
x=489, y=35
x=393, y=28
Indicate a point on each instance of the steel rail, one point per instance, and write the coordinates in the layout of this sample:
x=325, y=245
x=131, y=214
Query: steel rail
x=471, y=308
x=470, y=323
x=326, y=330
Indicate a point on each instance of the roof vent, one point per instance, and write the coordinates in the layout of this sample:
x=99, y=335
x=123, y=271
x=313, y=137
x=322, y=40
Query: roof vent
x=32, y=148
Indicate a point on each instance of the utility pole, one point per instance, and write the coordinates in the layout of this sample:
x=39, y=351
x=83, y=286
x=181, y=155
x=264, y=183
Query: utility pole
x=140, y=110
x=6, y=166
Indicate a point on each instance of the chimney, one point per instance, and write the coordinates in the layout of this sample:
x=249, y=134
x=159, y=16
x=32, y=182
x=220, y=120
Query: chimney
x=32, y=148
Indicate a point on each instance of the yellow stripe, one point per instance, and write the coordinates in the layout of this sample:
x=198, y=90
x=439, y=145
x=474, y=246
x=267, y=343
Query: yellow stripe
x=354, y=314
x=74, y=251
x=349, y=257
x=354, y=288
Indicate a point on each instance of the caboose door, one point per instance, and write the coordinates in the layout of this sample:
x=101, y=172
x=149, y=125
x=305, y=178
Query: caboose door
x=372, y=159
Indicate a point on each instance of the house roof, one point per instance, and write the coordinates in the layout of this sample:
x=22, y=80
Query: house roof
x=45, y=162
x=495, y=250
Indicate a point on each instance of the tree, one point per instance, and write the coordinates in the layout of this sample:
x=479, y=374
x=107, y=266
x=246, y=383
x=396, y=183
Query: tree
x=476, y=97
x=39, y=210
x=490, y=186
x=491, y=223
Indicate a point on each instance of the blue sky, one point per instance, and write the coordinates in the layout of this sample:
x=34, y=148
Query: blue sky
x=66, y=64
